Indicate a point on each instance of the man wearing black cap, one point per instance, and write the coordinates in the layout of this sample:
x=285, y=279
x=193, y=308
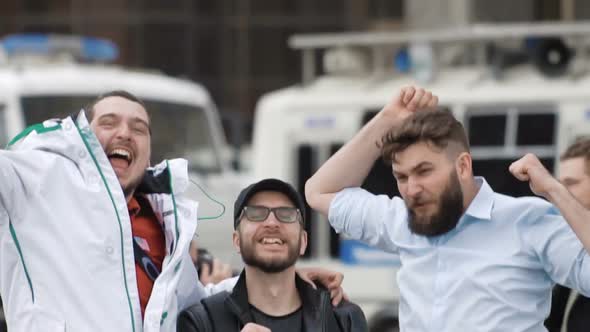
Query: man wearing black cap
x=269, y=295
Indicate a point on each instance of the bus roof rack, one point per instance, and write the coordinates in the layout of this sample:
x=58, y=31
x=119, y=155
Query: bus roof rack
x=476, y=35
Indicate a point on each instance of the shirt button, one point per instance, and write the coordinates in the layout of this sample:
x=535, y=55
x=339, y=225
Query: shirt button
x=68, y=126
x=109, y=250
x=82, y=153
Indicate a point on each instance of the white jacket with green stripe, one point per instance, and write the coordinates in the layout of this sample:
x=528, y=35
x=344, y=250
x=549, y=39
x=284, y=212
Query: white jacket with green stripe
x=66, y=251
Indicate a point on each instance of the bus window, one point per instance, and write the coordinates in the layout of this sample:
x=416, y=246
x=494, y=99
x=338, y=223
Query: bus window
x=183, y=130
x=178, y=130
x=306, y=156
x=536, y=129
x=37, y=109
x=501, y=134
x=495, y=171
x=334, y=237
x=487, y=130
x=308, y=161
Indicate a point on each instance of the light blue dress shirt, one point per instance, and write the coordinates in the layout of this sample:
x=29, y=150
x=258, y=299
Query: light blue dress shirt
x=493, y=272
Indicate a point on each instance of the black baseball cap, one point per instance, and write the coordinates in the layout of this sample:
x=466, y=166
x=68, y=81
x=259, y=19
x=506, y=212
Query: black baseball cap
x=267, y=185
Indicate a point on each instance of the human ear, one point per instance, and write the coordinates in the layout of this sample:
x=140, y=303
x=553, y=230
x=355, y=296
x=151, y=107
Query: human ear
x=303, y=243
x=463, y=165
x=236, y=240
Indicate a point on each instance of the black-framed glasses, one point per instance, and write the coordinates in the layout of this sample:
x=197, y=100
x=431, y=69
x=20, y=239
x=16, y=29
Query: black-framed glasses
x=283, y=214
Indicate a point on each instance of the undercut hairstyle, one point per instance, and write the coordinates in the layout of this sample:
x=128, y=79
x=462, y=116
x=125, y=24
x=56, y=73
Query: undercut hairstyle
x=89, y=108
x=436, y=127
x=579, y=149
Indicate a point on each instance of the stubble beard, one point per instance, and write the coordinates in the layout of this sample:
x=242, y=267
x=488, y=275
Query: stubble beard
x=269, y=265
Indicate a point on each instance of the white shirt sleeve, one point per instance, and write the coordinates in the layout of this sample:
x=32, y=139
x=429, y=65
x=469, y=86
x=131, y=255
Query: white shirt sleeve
x=224, y=285
x=560, y=252
x=374, y=219
x=196, y=290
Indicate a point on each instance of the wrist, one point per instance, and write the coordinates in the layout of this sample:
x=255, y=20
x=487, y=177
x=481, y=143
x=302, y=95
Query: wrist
x=555, y=191
x=390, y=116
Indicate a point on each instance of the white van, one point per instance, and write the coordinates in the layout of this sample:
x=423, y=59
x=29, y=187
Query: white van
x=45, y=77
x=508, y=107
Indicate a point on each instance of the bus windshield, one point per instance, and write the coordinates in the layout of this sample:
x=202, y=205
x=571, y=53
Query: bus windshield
x=178, y=130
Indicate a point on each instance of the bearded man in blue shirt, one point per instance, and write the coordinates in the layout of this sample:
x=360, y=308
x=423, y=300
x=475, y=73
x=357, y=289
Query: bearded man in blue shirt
x=472, y=259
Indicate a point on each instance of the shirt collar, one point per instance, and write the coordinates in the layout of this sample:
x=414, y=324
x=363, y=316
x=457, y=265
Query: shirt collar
x=133, y=207
x=481, y=205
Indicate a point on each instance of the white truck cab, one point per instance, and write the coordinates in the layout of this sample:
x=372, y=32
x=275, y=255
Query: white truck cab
x=45, y=77
x=508, y=106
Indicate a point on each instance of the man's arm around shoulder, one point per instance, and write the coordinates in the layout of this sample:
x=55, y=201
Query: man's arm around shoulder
x=209, y=315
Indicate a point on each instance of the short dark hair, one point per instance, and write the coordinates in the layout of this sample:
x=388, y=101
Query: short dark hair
x=579, y=149
x=89, y=108
x=437, y=127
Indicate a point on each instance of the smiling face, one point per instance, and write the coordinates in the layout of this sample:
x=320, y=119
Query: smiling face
x=122, y=128
x=270, y=245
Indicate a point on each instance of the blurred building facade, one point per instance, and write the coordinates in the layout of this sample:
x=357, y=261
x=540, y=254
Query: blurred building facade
x=238, y=48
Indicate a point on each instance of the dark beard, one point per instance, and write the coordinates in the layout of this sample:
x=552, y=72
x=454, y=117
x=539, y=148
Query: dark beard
x=269, y=265
x=449, y=212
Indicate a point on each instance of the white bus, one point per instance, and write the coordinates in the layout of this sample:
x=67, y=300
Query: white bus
x=531, y=98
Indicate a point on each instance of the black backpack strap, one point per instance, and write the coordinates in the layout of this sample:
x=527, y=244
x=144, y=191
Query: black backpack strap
x=221, y=317
x=350, y=317
x=194, y=319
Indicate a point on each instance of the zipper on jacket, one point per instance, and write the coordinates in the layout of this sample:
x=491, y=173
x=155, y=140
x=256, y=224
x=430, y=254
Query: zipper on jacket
x=118, y=219
x=325, y=304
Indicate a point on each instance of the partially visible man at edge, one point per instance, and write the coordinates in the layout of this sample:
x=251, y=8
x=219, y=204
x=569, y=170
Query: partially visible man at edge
x=91, y=238
x=570, y=310
x=471, y=259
